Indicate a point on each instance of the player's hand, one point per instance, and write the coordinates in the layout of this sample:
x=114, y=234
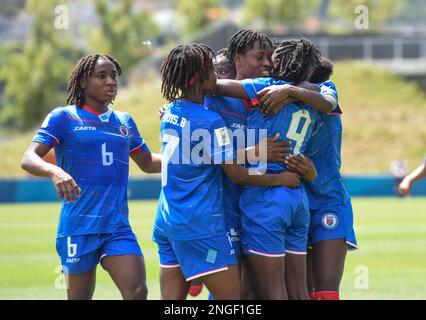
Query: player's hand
x=289, y=179
x=404, y=187
x=273, y=98
x=276, y=151
x=161, y=111
x=302, y=165
x=65, y=185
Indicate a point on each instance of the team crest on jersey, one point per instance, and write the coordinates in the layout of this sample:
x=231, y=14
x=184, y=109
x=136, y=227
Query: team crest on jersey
x=124, y=131
x=329, y=220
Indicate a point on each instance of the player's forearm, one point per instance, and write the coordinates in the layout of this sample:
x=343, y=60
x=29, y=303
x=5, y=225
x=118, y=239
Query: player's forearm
x=314, y=99
x=155, y=163
x=243, y=176
x=148, y=162
x=418, y=173
x=34, y=164
x=230, y=88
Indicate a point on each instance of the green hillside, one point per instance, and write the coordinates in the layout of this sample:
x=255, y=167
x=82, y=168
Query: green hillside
x=384, y=118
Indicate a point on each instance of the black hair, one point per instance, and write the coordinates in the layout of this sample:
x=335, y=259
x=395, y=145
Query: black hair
x=323, y=71
x=244, y=40
x=222, y=52
x=181, y=68
x=294, y=59
x=82, y=70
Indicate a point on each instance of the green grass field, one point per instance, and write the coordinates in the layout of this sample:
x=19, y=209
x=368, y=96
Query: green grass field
x=391, y=262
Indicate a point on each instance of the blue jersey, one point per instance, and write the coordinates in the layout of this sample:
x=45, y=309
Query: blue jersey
x=194, y=141
x=324, y=150
x=94, y=149
x=295, y=122
x=234, y=112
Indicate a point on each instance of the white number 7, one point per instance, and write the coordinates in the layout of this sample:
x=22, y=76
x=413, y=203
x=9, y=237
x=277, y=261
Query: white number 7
x=169, y=149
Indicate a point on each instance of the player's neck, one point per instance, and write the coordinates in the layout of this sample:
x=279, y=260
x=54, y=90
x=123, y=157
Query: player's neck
x=240, y=76
x=96, y=105
x=195, y=96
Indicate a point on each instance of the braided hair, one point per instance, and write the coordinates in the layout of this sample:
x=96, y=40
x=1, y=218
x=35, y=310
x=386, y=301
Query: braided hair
x=244, y=40
x=82, y=70
x=294, y=59
x=184, y=66
x=323, y=72
x=223, y=53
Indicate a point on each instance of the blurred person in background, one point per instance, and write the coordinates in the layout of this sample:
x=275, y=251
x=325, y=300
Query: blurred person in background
x=407, y=183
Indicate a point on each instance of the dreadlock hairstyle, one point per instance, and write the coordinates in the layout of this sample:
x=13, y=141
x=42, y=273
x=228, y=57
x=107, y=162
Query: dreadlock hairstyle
x=294, y=59
x=223, y=53
x=323, y=72
x=82, y=70
x=184, y=66
x=244, y=40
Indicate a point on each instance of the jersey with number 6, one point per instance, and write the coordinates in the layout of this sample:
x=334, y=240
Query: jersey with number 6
x=94, y=149
x=295, y=122
x=194, y=142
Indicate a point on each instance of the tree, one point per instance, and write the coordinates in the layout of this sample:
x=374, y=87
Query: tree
x=197, y=14
x=273, y=13
x=36, y=76
x=122, y=31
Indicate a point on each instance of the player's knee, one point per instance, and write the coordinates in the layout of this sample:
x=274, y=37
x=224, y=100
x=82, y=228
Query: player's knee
x=139, y=292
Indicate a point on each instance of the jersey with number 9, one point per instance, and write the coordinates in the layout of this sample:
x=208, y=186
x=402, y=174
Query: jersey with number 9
x=295, y=122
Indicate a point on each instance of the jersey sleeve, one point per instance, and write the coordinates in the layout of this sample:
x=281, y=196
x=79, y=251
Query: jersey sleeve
x=253, y=86
x=221, y=145
x=52, y=130
x=137, y=143
x=329, y=90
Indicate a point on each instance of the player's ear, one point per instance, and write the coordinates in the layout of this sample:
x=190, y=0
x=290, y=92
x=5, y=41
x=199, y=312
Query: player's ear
x=237, y=60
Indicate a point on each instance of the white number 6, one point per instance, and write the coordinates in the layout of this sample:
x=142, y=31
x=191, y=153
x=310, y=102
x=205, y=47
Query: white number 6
x=107, y=157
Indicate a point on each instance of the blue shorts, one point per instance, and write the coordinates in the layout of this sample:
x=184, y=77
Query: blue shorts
x=82, y=253
x=333, y=222
x=233, y=229
x=274, y=221
x=196, y=258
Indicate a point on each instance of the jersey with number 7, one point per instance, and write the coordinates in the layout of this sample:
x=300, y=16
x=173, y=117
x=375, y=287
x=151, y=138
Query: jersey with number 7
x=94, y=149
x=295, y=122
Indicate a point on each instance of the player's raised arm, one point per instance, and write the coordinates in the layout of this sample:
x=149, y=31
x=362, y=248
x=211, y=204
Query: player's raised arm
x=274, y=97
x=33, y=163
x=230, y=88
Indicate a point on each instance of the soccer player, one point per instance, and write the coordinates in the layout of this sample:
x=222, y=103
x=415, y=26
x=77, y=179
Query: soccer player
x=331, y=231
x=189, y=227
x=275, y=220
x=406, y=184
x=92, y=144
x=249, y=53
x=224, y=68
